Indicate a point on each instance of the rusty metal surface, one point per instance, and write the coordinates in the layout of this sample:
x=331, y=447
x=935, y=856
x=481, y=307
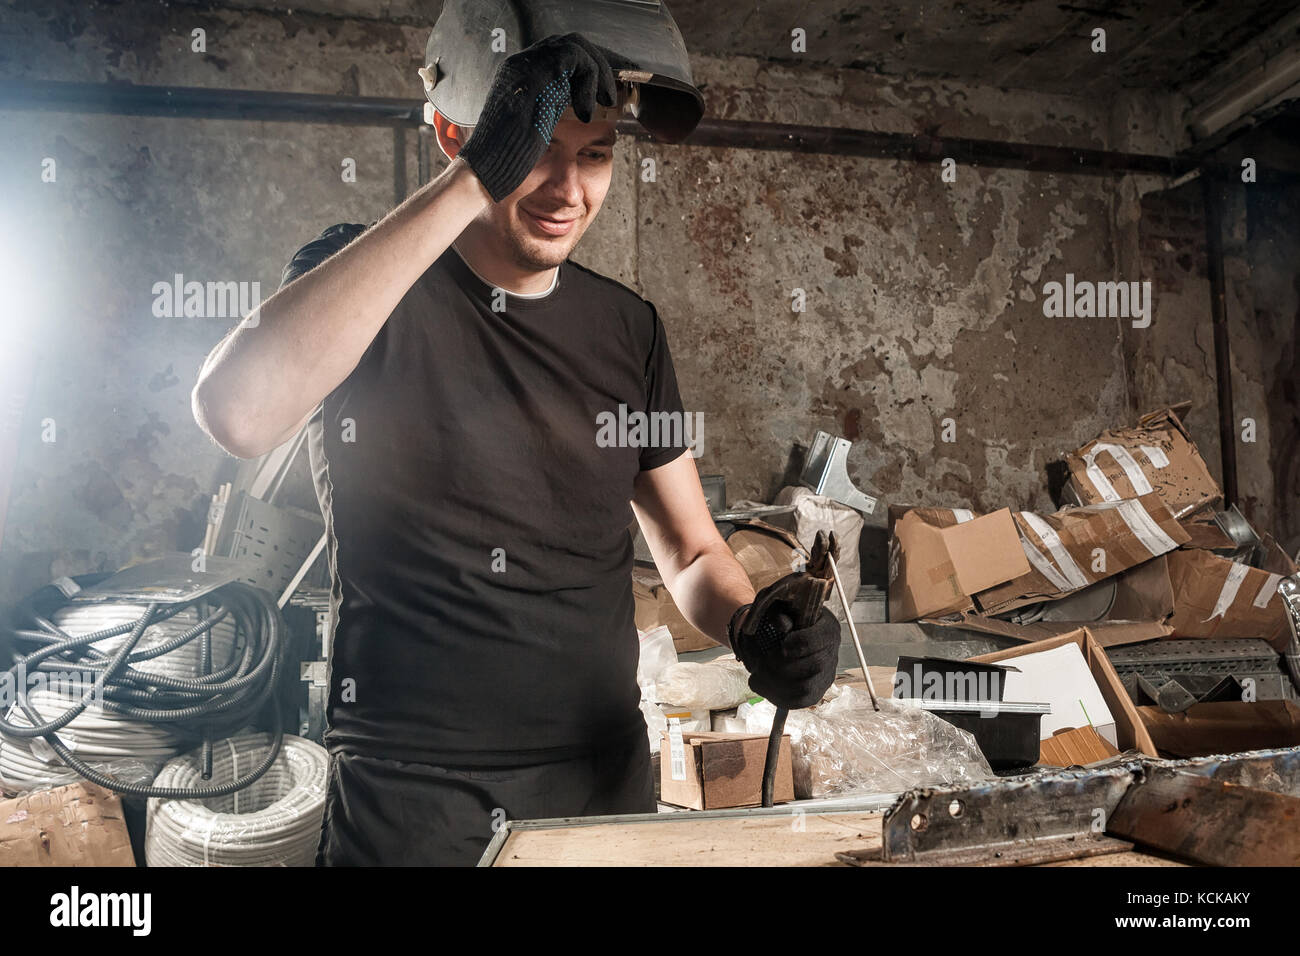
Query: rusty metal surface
x=1210, y=821
x=1062, y=815
x=1007, y=821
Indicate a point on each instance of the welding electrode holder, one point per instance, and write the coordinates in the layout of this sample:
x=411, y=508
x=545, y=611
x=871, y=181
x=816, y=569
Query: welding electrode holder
x=799, y=599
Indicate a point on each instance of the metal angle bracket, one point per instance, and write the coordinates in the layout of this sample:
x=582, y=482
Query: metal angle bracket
x=1007, y=822
x=825, y=471
x=1042, y=818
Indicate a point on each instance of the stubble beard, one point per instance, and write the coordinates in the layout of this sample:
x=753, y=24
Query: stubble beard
x=529, y=252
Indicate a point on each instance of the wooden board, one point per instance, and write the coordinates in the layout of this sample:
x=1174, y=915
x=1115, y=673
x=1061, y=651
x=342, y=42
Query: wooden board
x=790, y=839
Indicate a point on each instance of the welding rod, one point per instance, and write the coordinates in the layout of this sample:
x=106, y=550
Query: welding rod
x=857, y=644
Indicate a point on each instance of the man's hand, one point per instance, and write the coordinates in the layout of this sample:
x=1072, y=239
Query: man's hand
x=790, y=667
x=529, y=94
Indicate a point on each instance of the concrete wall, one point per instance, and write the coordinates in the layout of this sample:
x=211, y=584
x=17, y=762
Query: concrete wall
x=1175, y=359
x=923, y=297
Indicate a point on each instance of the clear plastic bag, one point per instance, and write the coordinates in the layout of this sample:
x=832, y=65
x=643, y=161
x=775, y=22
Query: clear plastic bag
x=657, y=653
x=716, y=685
x=16, y=781
x=844, y=746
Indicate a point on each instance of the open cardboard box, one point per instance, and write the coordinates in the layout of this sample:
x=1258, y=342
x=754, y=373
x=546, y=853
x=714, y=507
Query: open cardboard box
x=940, y=557
x=1130, y=732
x=1076, y=548
x=1144, y=600
x=1218, y=598
x=950, y=561
x=1224, y=727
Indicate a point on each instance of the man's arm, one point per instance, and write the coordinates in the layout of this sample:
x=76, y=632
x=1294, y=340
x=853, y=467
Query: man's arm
x=706, y=581
x=263, y=381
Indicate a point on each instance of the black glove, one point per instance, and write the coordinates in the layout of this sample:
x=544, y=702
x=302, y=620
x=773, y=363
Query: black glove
x=529, y=93
x=791, y=668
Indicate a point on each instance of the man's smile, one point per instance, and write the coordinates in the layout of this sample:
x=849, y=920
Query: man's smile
x=549, y=224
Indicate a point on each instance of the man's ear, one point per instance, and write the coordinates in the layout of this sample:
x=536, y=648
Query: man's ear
x=450, y=136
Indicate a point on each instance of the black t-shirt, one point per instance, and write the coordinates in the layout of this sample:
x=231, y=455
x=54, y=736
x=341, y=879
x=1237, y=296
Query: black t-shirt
x=477, y=528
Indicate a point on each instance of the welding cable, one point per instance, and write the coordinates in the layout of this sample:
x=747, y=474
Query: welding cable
x=275, y=822
x=215, y=704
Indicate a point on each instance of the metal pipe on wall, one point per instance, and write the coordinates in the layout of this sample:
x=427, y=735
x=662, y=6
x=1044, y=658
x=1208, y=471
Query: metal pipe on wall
x=1213, y=200
x=202, y=102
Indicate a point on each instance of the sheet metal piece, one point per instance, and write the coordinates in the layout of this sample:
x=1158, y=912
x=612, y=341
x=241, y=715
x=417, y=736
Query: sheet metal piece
x=1045, y=817
x=1211, y=821
x=170, y=579
x=1179, y=673
x=1007, y=822
x=826, y=472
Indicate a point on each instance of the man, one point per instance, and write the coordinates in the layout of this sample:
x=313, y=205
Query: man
x=484, y=653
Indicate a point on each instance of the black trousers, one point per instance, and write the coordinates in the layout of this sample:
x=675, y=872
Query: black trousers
x=392, y=813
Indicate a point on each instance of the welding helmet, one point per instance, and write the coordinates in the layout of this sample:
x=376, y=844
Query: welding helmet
x=473, y=37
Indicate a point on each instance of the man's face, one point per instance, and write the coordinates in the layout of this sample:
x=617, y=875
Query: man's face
x=538, y=224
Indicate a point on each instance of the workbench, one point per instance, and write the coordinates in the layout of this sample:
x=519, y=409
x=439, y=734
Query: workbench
x=1221, y=810
x=719, y=838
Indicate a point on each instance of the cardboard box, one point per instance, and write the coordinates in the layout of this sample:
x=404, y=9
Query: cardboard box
x=1215, y=597
x=766, y=552
x=1077, y=746
x=1224, y=727
x=75, y=825
x=1130, y=732
x=1106, y=633
x=1143, y=602
x=1077, y=547
x=1204, y=532
x=1156, y=455
x=723, y=770
x=1061, y=677
x=939, y=558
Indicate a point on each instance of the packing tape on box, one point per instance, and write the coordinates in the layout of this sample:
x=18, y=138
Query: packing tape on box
x=1071, y=574
x=1144, y=527
x=1157, y=455
x=963, y=514
x=1267, y=591
x=1042, y=565
x=1228, y=593
x=1132, y=471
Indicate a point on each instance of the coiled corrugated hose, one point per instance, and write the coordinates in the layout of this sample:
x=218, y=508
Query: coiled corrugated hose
x=275, y=822
x=218, y=703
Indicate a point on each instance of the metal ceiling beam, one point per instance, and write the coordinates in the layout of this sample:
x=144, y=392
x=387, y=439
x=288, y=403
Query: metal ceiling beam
x=207, y=103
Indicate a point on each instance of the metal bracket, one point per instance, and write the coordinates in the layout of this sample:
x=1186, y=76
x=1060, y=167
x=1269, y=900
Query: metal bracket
x=825, y=471
x=1009, y=822
x=1193, y=808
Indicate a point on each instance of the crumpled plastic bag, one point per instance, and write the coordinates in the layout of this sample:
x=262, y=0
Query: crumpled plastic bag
x=657, y=652
x=718, y=684
x=844, y=746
